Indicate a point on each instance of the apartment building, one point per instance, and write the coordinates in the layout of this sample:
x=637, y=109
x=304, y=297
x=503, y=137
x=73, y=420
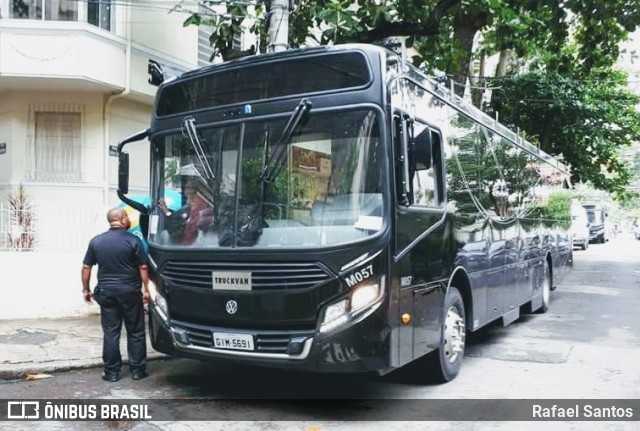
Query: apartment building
x=73, y=82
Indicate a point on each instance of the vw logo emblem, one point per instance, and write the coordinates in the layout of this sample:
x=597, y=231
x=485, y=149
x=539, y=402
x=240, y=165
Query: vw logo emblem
x=231, y=307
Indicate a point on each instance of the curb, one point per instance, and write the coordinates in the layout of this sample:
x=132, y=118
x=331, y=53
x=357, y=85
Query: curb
x=11, y=372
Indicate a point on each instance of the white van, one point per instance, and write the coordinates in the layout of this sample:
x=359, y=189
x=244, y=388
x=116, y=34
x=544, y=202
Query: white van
x=579, y=225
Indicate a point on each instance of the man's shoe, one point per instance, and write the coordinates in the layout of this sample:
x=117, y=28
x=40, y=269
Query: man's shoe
x=139, y=375
x=110, y=377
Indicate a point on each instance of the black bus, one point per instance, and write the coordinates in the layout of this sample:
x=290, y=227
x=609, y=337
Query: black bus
x=338, y=211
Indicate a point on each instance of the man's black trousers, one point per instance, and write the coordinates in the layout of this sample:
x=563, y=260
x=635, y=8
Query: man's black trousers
x=117, y=306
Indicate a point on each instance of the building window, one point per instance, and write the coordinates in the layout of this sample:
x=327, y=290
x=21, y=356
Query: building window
x=99, y=13
x=61, y=10
x=55, y=148
x=25, y=9
x=54, y=10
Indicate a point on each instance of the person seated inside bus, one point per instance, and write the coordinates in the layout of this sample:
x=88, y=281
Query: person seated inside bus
x=195, y=216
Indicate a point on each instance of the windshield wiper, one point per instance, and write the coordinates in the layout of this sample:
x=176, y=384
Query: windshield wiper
x=274, y=163
x=190, y=131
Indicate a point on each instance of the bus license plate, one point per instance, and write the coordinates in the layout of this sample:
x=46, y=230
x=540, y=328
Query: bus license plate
x=232, y=341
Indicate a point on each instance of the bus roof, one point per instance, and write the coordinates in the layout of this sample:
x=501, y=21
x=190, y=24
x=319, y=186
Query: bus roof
x=433, y=86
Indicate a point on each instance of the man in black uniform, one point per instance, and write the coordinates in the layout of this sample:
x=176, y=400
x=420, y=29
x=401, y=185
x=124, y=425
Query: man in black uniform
x=122, y=268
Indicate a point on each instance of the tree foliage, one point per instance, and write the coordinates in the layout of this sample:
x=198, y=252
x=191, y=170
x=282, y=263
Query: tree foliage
x=558, y=57
x=586, y=122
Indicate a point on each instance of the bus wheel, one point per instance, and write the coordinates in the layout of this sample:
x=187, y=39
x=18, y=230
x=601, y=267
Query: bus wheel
x=546, y=289
x=448, y=357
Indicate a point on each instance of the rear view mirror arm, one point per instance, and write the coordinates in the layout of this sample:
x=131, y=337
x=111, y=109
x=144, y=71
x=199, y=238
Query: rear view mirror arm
x=123, y=172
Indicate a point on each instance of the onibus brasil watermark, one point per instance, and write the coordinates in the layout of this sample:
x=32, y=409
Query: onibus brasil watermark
x=78, y=410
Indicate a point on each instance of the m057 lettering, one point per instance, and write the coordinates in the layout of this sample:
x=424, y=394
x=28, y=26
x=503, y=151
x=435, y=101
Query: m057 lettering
x=359, y=276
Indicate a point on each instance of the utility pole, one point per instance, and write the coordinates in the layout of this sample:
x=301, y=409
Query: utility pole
x=278, y=26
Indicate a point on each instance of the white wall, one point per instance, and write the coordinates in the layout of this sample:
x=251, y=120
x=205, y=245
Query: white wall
x=92, y=104
x=48, y=49
x=128, y=118
x=125, y=118
x=96, y=58
x=87, y=66
x=163, y=31
x=46, y=283
x=13, y=125
x=42, y=285
x=6, y=126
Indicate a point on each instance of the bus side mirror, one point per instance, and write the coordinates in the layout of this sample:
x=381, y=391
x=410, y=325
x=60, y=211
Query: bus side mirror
x=155, y=72
x=402, y=159
x=422, y=150
x=123, y=173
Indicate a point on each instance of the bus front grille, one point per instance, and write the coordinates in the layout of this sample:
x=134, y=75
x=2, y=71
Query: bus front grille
x=264, y=341
x=264, y=275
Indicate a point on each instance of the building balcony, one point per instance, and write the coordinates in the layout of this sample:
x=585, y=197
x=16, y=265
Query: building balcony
x=70, y=55
x=61, y=55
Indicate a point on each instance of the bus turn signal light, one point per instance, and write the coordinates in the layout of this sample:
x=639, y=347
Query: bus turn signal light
x=406, y=318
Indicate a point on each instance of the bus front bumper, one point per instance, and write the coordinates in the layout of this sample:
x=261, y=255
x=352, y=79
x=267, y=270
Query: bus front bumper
x=360, y=346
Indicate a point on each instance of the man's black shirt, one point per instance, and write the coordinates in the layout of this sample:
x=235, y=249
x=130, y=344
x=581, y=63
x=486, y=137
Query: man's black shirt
x=119, y=255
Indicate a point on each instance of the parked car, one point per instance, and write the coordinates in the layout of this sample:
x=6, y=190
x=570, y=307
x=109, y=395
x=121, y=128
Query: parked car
x=579, y=226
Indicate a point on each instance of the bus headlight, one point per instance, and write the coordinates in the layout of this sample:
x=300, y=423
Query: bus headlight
x=153, y=290
x=334, y=316
x=362, y=297
x=159, y=301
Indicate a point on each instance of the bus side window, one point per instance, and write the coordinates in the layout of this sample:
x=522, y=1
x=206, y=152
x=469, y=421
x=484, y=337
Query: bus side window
x=424, y=168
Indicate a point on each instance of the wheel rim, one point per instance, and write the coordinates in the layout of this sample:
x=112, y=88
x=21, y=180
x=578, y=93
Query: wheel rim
x=454, y=335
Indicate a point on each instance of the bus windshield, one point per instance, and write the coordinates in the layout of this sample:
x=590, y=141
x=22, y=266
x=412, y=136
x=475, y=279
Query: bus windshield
x=325, y=188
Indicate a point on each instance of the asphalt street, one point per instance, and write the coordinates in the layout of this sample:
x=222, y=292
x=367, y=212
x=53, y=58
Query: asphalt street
x=586, y=347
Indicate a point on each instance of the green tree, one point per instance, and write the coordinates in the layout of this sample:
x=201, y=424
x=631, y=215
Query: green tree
x=566, y=49
x=443, y=31
x=488, y=173
x=557, y=208
x=587, y=122
x=225, y=26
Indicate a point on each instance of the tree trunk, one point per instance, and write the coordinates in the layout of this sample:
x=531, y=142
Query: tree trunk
x=477, y=82
x=501, y=68
x=503, y=62
x=466, y=25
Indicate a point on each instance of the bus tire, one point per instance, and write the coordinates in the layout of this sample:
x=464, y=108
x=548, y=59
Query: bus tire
x=447, y=359
x=546, y=289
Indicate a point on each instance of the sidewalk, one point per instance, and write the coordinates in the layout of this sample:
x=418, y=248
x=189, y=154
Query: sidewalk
x=53, y=345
